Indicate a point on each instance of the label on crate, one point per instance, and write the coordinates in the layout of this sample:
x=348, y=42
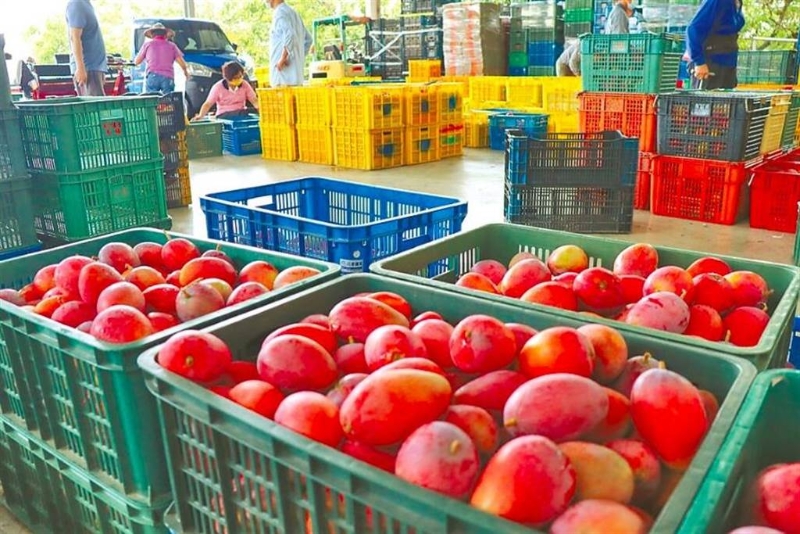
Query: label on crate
x=701, y=110
x=351, y=266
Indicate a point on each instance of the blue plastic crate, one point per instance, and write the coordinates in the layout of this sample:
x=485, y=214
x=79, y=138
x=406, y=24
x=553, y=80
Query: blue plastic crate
x=794, y=347
x=517, y=71
x=532, y=124
x=544, y=54
x=342, y=222
x=241, y=136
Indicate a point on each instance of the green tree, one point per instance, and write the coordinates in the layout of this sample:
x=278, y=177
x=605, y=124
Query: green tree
x=48, y=39
x=775, y=18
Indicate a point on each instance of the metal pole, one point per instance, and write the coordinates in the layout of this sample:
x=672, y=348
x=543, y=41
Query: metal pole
x=188, y=8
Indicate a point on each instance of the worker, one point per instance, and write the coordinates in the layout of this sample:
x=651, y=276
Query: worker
x=160, y=54
x=289, y=44
x=618, y=21
x=231, y=94
x=28, y=79
x=88, y=62
x=712, y=44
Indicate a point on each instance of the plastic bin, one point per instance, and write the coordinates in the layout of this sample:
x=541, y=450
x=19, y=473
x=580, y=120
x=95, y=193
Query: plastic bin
x=774, y=194
x=576, y=29
x=241, y=136
x=717, y=126
x=425, y=68
x=204, y=139
x=767, y=66
x=487, y=88
x=313, y=105
x=16, y=252
x=791, y=124
x=342, y=222
x=421, y=105
x=451, y=102
x=276, y=105
x=794, y=348
x=86, y=398
x=178, y=187
x=50, y=493
x=605, y=159
x=88, y=134
x=634, y=63
x=421, y=144
x=368, y=107
x=560, y=94
x=17, y=231
x=632, y=114
x=476, y=130
x=221, y=452
x=12, y=158
x=524, y=91
x=583, y=14
x=776, y=120
x=644, y=176
x=441, y=266
x=451, y=140
x=368, y=149
x=756, y=440
x=75, y=206
x=279, y=142
x=315, y=144
x=175, y=151
x=699, y=189
x=170, y=115
x=531, y=124
x=544, y=54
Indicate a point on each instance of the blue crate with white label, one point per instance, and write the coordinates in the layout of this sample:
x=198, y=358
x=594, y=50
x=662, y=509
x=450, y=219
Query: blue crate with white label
x=544, y=54
x=342, y=222
x=532, y=124
x=241, y=136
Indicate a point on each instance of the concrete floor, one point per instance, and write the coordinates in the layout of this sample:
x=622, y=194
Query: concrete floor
x=477, y=178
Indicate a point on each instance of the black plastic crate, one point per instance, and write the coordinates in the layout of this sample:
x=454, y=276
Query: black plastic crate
x=718, y=126
x=175, y=151
x=603, y=159
x=422, y=6
x=170, y=115
x=583, y=210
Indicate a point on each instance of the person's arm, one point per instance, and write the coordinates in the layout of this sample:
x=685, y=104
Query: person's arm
x=142, y=52
x=209, y=103
x=180, y=60
x=575, y=60
x=308, y=41
x=76, y=21
x=698, y=31
x=251, y=95
x=285, y=38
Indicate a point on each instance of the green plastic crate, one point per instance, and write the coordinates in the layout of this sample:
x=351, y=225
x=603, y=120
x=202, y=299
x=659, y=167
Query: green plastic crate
x=572, y=5
x=75, y=206
x=766, y=66
x=12, y=158
x=541, y=71
x=763, y=434
x=578, y=15
x=87, y=398
x=269, y=478
x=442, y=263
x=204, y=139
x=790, y=126
x=88, y=133
x=636, y=63
x=48, y=493
x=16, y=215
x=576, y=29
x=518, y=59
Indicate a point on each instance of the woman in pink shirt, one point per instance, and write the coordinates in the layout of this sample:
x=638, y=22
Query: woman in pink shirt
x=160, y=53
x=230, y=94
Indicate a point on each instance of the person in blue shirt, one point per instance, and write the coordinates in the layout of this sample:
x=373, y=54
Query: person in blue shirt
x=289, y=44
x=712, y=44
x=88, y=62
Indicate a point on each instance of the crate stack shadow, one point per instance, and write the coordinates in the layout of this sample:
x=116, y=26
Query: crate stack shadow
x=171, y=116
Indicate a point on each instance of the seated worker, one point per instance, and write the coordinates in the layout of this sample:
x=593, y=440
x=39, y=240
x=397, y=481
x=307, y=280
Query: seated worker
x=569, y=62
x=160, y=53
x=712, y=42
x=231, y=94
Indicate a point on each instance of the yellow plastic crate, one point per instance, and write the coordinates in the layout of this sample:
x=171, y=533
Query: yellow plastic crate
x=315, y=144
x=368, y=150
x=279, y=141
x=424, y=68
x=451, y=102
x=421, y=105
x=313, y=105
x=276, y=105
x=524, y=91
x=483, y=88
x=773, y=128
x=463, y=81
x=368, y=107
x=178, y=187
x=262, y=76
x=561, y=94
x=451, y=140
x=421, y=144
x=563, y=122
x=765, y=87
x=476, y=135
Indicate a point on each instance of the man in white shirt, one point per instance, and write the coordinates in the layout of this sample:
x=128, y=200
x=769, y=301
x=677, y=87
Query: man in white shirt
x=618, y=21
x=290, y=42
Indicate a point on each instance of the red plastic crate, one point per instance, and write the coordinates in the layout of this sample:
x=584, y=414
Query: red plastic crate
x=699, y=189
x=644, y=175
x=774, y=194
x=633, y=114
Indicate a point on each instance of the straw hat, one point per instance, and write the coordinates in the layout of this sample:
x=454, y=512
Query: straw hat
x=158, y=26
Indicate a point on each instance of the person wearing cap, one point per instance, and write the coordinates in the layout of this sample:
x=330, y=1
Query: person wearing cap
x=88, y=62
x=160, y=54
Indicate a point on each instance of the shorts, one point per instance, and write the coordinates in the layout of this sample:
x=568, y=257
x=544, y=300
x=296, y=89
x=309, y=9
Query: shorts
x=94, y=86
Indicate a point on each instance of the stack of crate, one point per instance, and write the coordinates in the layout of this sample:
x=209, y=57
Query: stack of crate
x=452, y=127
x=314, y=118
x=171, y=119
x=579, y=16
x=17, y=233
x=277, y=119
x=622, y=76
x=385, y=48
x=536, y=38
x=97, y=165
x=422, y=37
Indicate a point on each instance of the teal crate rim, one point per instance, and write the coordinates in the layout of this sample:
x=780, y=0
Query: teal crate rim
x=59, y=104
x=785, y=308
x=209, y=408
x=327, y=269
